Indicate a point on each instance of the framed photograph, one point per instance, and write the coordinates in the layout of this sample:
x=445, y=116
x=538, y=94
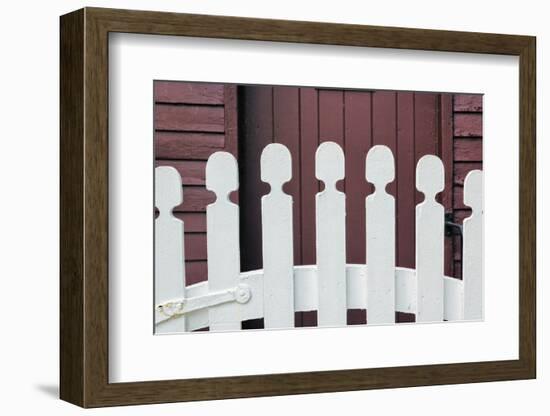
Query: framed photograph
x=255, y=207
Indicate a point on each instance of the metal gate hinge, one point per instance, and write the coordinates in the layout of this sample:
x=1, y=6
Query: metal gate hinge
x=178, y=307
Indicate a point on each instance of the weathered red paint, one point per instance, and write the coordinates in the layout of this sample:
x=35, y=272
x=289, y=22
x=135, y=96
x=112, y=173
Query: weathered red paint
x=468, y=103
x=468, y=125
x=188, y=93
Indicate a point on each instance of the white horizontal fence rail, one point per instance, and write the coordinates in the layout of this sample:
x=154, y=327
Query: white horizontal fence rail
x=331, y=286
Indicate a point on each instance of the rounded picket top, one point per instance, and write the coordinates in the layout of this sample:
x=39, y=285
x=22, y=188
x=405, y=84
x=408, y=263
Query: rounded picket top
x=168, y=189
x=430, y=175
x=276, y=165
x=329, y=163
x=473, y=190
x=222, y=176
x=380, y=166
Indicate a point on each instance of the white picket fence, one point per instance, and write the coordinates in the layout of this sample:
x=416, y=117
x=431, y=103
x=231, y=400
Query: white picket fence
x=331, y=286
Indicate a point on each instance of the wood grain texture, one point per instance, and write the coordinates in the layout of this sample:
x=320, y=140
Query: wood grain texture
x=191, y=171
x=405, y=170
x=468, y=125
x=468, y=102
x=309, y=135
x=256, y=133
x=358, y=128
x=468, y=150
x=180, y=145
x=189, y=118
x=446, y=152
x=84, y=187
x=71, y=219
x=384, y=125
x=188, y=92
x=286, y=130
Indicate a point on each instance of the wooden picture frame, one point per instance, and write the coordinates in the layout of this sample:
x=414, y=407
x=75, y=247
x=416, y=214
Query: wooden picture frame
x=84, y=207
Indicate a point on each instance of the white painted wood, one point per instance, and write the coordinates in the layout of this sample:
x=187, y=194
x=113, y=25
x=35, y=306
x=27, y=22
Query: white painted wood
x=472, y=258
x=330, y=287
x=169, y=255
x=453, y=308
x=307, y=299
x=277, y=244
x=380, y=213
x=222, y=233
x=184, y=306
x=429, y=240
x=330, y=236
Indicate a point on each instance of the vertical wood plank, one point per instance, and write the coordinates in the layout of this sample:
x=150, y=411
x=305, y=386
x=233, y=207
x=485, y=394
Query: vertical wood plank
x=425, y=127
x=446, y=152
x=384, y=124
x=256, y=110
x=222, y=231
x=331, y=121
x=405, y=185
x=331, y=239
x=331, y=116
x=380, y=208
x=358, y=141
x=309, y=140
x=169, y=251
x=230, y=117
x=429, y=240
x=286, y=130
x=472, y=261
x=278, y=296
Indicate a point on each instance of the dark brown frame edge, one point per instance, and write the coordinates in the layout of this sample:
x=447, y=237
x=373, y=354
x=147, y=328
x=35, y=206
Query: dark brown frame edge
x=84, y=214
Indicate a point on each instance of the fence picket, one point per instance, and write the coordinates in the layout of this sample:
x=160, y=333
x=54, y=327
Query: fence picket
x=222, y=232
x=429, y=240
x=380, y=213
x=472, y=260
x=277, y=244
x=169, y=254
x=331, y=236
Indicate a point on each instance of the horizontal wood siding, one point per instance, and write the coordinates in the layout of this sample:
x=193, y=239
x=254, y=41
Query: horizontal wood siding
x=192, y=121
x=468, y=155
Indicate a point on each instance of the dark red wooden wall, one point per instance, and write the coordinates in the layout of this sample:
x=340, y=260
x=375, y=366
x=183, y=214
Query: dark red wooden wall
x=411, y=124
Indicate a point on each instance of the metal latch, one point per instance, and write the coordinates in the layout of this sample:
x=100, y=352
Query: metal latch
x=179, y=307
x=452, y=228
